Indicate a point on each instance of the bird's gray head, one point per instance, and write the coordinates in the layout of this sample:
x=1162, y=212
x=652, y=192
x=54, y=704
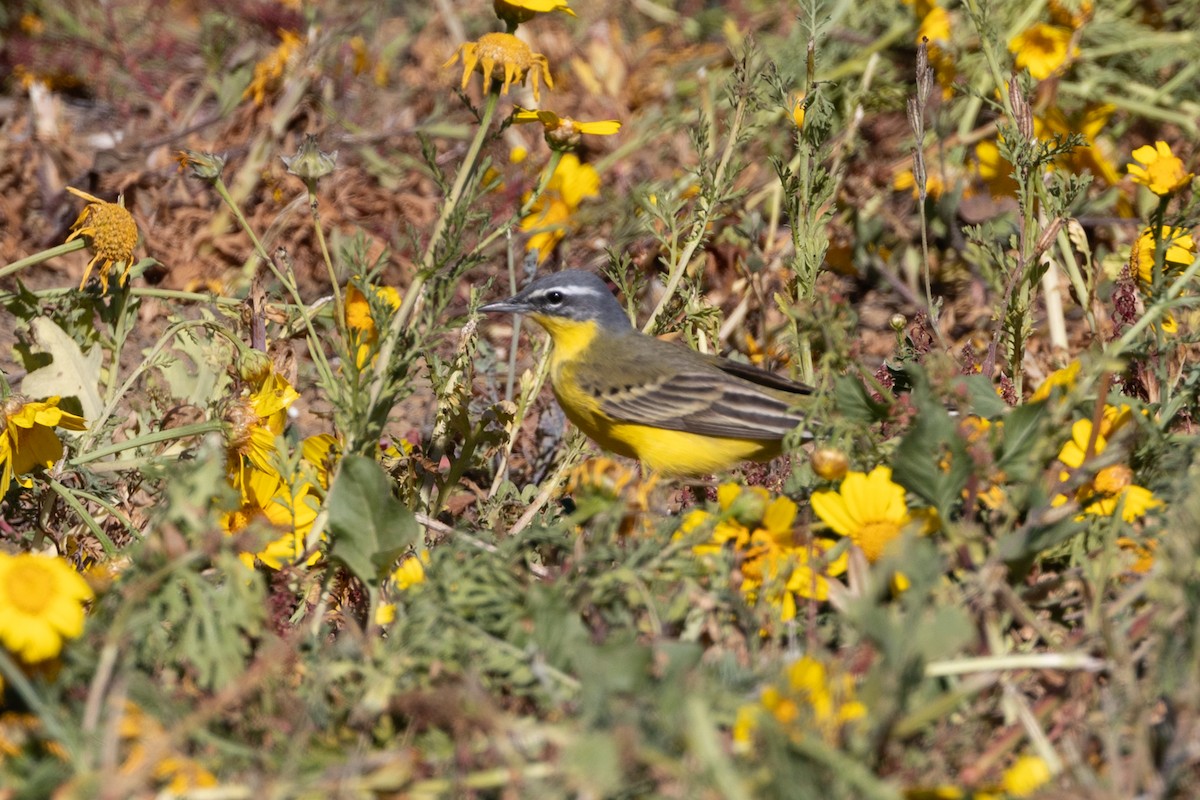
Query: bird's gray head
x=570, y=294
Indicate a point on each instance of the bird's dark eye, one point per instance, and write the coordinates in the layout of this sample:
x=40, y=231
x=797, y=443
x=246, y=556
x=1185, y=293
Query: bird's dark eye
x=554, y=298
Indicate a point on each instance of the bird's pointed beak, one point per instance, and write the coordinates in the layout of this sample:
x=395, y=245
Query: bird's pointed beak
x=504, y=306
x=513, y=305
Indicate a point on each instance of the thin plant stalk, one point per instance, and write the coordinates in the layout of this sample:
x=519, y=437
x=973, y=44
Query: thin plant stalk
x=400, y=319
x=42, y=256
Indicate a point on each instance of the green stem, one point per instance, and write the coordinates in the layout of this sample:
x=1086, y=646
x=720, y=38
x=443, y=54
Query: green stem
x=71, y=500
x=708, y=208
x=44, y=255
x=339, y=309
x=543, y=181
x=154, y=437
x=314, y=342
x=120, y=334
x=400, y=319
x=111, y=404
x=54, y=727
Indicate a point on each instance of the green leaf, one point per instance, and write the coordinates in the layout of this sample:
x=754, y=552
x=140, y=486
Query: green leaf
x=1018, y=458
x=71, y=373
x=368, y=528
x=983, y=398
x=854, y=403
x=932, y=460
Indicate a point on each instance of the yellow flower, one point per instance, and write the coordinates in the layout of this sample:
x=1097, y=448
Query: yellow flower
x=935, y=184
x=1025, y=776
x=27, y=437
x=1089, y=124
x=810, y=698
x=571, y=183
x=360, y=322
x=1070, y=14
x=774, y=567
x=514, y=12
x=630, y=491
x=868, y=508
x=385, y=614
x=112, y=232
x=177, y=773
x=797, y=111
x=41, y=604
x=1043, y=49
x=935, y=25
x=411, y=571
x=252, y=423
x=995, y=170
x=1143, y=553
x=1159, y=170
x=1180, y=252
x=502, y=57
x=563, y=133
x=1112, y=487
x=744, y=725
x=269, y=71
x=1112, y=419
x=287, y=509
x=321, y=451
x=1059, y=379
x=935, y=28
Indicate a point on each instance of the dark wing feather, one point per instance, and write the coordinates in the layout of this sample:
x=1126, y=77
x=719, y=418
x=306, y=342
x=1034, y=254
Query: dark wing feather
x=761, y=377
x=700, y=396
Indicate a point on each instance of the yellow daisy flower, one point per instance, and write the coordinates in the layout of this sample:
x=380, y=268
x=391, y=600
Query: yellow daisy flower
x=808, y=699
x=41, y=605
x=563, y=133
x=1112, y=487
x=935, y=28
x=1063, y=379
x=505, y=58
x=289, y=510
x=1179, y=253
x=268, y=73
x=112, y=234
x=868, y=508
x=1025, y=776
x=995, y=169
x=322, y=451
x=27, y=437
x=1089, y=124
x=1159, y=170
x=1042, y=49
x=411, y=571
x=759, y=530
x=252, y=423
x=1070, y=14
x=1142, y=552
x=547, y=221
x=361, y=324
x=514, y=12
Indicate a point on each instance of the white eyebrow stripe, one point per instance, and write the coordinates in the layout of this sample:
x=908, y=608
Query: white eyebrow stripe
x=571, y=291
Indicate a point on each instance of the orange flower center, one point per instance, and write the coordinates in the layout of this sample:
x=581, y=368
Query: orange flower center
x=1114, y=479
x=873, y=536
x=115, y=232
x=504, y=48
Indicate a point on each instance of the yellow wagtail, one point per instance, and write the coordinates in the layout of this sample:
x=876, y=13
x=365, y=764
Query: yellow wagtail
x=676, y=410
